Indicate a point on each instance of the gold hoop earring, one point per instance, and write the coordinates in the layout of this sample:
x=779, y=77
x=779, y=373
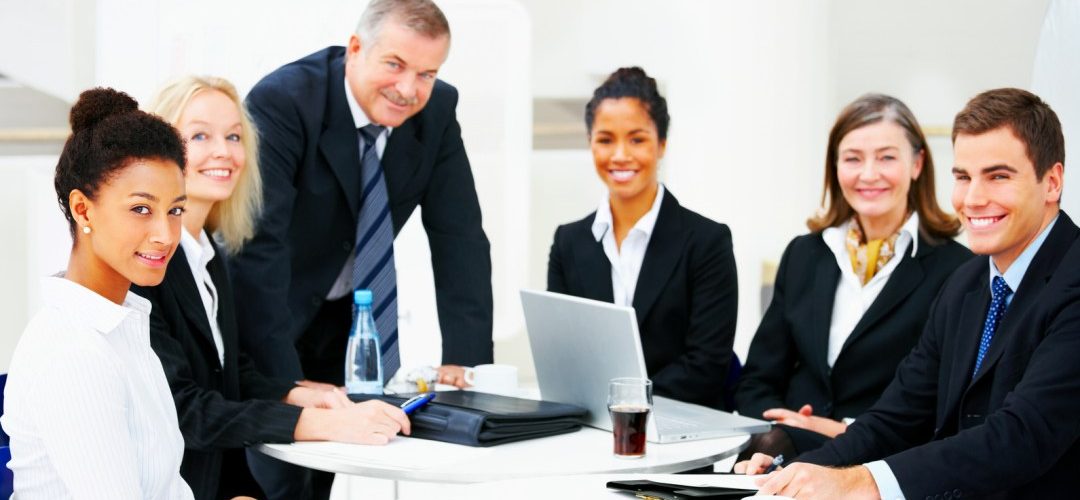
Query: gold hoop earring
x=86, y=229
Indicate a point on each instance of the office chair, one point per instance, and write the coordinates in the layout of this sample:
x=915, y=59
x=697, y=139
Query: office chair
x=731, y=382
x=7, y=478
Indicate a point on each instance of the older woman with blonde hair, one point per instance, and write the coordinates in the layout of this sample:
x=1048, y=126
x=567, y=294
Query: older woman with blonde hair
x=222, y=401
x=851, y=296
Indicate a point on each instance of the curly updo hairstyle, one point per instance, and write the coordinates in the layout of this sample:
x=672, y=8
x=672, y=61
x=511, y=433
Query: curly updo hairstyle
x=631, y=83
x=108, y=132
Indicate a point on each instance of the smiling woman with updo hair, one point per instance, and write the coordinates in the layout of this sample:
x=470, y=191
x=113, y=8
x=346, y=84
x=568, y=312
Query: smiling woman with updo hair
x=87, y=405
x=641, y=248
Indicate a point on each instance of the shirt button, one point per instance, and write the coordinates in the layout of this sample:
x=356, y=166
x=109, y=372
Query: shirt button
x=346, y=245
x=315, y=300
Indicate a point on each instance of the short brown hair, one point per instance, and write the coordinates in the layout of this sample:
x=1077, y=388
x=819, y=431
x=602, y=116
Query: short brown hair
x=1030, y=119
x=922, y=197
x=421, y=16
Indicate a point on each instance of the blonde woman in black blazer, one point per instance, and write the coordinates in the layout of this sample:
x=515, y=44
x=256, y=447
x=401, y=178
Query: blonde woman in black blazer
x=833, y=335
x=223, y=403
x=642, y=248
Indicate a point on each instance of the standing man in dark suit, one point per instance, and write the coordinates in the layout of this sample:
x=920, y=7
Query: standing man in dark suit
x=986, y=404
x=352, y=140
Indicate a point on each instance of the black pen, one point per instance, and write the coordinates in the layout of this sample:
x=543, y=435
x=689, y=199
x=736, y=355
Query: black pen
x=776, y=462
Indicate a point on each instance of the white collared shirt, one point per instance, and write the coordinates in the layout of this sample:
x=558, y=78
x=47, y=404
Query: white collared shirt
x=626, y=259
x=199, y=253
x=87, y=405
x=852, y=297
x=344, y=285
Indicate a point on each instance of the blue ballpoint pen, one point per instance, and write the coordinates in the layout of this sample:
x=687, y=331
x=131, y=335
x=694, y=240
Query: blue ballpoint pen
x=416, y=402
x=776, y=462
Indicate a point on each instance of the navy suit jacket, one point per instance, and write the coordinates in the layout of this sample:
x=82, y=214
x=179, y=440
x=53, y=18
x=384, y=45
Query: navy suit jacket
x=218, y=408
x=788, y=367
x=310, y=162
x=1013, y=430
x=686, y=297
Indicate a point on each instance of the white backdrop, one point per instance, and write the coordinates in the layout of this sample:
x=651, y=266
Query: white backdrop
x=135, y=46
x=1057, y=80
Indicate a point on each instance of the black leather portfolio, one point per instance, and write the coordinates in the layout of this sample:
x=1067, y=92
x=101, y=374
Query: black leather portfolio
x=481, y=419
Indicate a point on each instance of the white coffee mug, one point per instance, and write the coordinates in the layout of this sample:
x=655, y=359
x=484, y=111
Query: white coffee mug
x=496, y=379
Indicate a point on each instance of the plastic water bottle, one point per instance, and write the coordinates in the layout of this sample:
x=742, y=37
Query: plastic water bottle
x=363, y=362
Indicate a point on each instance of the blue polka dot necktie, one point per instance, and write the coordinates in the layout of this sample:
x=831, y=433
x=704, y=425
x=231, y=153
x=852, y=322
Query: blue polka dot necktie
x=373, y=268
x=999, y=292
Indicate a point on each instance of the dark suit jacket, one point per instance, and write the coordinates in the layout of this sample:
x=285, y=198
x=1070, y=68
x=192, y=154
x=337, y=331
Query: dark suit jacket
x=787, y=365
x=1013, y=431
x=310, y=161
x=218, y=408
x=686, y=297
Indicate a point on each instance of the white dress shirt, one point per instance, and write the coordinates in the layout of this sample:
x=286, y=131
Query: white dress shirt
x=625, y=259
x=87, y=405
x=344, y=285
x=199, y=253
x=852, y=297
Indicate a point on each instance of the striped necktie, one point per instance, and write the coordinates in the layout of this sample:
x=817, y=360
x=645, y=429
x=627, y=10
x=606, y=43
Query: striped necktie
x=373, y=268
x=999, y=291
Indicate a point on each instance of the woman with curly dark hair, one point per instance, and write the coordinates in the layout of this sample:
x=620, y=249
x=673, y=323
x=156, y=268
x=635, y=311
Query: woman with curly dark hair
x=641, y=248
x=87, y=406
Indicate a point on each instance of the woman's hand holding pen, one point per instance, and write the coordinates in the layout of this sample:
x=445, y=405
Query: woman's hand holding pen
x=370, y=422
x=805, y=419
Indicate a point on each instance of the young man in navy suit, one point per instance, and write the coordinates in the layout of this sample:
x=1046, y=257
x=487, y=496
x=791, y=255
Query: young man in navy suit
x=986, y=404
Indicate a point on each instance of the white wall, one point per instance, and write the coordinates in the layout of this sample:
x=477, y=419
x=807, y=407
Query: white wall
x=747, y=97
x=1056, y=79
x=934, y=56
x=752, y=86
x=139, y=45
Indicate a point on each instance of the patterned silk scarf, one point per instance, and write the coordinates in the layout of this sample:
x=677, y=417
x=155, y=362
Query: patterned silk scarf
x=867, y=257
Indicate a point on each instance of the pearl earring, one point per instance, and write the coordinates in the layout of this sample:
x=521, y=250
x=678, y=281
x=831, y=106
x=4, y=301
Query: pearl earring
x=86, y=229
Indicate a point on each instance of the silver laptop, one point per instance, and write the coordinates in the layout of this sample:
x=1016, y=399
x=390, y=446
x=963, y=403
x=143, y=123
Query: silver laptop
x=579, y=345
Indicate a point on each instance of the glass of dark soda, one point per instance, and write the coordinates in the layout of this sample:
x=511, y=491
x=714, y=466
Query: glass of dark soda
x=629, y=404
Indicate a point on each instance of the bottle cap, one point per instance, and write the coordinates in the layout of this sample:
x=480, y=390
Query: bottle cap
x=362, y=297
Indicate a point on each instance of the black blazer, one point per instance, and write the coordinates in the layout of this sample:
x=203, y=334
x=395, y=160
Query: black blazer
x=1011, y=432
x=686, y=297
x=310, y=162
x=218, y=408
x=787, y=365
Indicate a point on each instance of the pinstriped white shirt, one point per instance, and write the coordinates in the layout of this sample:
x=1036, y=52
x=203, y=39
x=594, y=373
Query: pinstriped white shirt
x=87, y=405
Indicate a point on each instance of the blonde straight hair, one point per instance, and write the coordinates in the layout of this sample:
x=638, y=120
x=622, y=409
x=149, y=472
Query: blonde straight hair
x=233, y=220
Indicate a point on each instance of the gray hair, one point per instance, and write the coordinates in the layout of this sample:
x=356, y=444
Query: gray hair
x=421, y=16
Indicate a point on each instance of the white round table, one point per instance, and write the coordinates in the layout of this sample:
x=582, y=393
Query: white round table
x=581, y=486
x=588, y=451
